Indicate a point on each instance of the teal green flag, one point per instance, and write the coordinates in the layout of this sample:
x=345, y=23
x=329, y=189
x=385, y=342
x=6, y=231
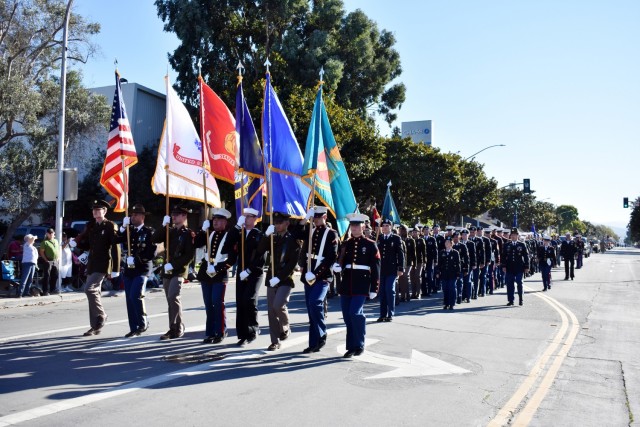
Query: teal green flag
x=322, y=159
x=389, y=210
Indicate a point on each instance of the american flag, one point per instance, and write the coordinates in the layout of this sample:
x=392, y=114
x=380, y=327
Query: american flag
x=121, y=151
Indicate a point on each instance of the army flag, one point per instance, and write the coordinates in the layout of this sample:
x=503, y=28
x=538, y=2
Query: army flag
x=121, y=152
x=220, y=146
x=179, y=167
x=286, y=191
x=389, y=210
x=249, y=181
x=324, y=170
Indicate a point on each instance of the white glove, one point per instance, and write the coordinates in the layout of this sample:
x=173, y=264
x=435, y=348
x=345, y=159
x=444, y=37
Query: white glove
x=310, y=277
x=270, y=230
x=115, y=274
x=168, y=268
x=72, y=242
x=273, y=282
x=372, y=295
x=310, y=214
x=241, y=220
x=84, y=258
x=122, y=229
x=205, y=225
x=211, y=270
x=166, y=220
x=126, y=221
x=336, y=268
x=244, y=274
x=548, y=262
x=131, y=260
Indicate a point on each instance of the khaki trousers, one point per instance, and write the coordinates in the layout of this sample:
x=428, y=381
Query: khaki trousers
x=172, y=287
x=93, y=290
x=277, y=300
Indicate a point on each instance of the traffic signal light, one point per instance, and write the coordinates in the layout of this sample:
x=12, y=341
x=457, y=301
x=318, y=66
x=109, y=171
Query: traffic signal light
x=526, y=183
x=625, y=202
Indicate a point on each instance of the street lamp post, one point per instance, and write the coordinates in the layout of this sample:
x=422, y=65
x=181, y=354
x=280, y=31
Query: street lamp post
x=485, y=148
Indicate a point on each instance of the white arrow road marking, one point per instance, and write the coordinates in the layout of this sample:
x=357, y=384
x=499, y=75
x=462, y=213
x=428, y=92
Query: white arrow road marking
x=418, y=365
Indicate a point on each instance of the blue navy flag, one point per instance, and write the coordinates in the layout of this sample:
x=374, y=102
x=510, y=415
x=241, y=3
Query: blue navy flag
x=283, y=157
x=249, y=182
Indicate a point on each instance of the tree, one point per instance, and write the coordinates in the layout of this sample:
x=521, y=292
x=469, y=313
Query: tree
x=568, y=219
x=30, y=47
x=633, y=229
x=297, y=37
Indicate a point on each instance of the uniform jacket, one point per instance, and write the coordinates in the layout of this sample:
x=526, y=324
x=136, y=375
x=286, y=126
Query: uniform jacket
x=432, y=250
x=568, y=249
x=439, y=242
x=286, y=251
x=515, y=257
x=227, y=253
x=421, y=250
x=480, y=253
x=487, y=249
x=464, y=256
x=546, y=253
x=495, y=250
x=142, y=250
x=471, y=252
x=320, y=262
x=449, y=265
x=252, y=262
x=357, y=253
x=392, y=254
x=410, y=248
x=181, y=250
x=101, y=240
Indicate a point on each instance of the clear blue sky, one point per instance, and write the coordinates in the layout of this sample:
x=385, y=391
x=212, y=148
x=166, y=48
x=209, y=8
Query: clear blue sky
x=557, y=82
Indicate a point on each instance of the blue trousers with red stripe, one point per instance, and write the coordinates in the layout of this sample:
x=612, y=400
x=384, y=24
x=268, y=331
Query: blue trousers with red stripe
x=213, y=296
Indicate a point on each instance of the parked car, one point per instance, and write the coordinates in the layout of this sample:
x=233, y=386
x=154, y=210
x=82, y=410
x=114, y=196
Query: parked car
x=587, y=249
x=595, y=245
x=37, y=230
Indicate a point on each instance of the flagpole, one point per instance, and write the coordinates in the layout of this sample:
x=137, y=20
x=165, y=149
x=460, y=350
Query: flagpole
x=270, y=184
x=125, y=181
x=168, y=131
x=204, y=168
x=243, y=228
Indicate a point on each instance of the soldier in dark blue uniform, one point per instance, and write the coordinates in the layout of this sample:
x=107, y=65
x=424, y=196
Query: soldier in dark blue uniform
x=515, y=262
x=410, y=262
x=480, y=260
x=497, y=235
x=316, y=272
x=494, y=262
x=139, y=267
x=284, y=258
x=179, y=254
x=568, y=251
x=429, y=283
x=471, y=251
x=360, y=266
x=213, y=273
x=248, y=280
x=465, y=264
x=546, y=259
x=391, y=267
x=484, y=271
x=448, y=271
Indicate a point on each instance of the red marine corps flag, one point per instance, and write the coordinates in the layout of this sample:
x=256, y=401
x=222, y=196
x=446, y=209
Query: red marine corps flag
x=121, y=152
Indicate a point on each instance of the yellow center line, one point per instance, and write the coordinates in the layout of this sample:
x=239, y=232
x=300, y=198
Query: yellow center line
x=511, y=407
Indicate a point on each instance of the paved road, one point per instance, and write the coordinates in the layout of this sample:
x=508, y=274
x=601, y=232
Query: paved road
x=567, y=357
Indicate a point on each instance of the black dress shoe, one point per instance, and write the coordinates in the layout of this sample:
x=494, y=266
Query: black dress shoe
x=572, y=278
x=285, y=335
x=388, y=319
x=251, y=339
x=132, y=334
x=218, y=338
x=311, y=350
x=166, y=336
x=380, y=319
x=322, y=342
x=241, y=343
x=358, y=352
x=91, y=332
x=520, y=303
x=208, y=340
x=349, y=354
x=141, y=330
x=510, y=303
x=444, y=307
x=566, y=278
x=273, y=347
x=450, y=307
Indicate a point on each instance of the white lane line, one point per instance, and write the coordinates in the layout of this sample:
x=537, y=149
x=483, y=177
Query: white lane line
x=203, y=368
x=511, y=407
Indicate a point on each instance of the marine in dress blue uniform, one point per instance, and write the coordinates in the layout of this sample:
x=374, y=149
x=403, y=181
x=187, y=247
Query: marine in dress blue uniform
x=392, y=260
x=359, y=265
x=515, y=262
x=138, y=269
x=214, y=271
x=322, y=248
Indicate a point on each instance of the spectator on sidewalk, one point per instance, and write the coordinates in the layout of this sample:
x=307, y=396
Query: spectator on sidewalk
x=28, y=268
x=50, y=254
x=66, y=265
